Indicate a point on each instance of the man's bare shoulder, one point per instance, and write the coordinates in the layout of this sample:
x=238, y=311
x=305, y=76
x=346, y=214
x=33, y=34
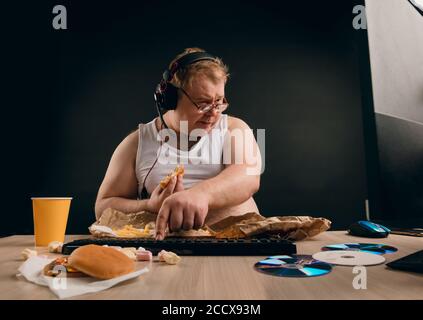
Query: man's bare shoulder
x=236, y=123
x=129, y=145
x=132, y=138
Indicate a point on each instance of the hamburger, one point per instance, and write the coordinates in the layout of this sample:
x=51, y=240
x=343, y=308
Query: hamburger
x=95, y=261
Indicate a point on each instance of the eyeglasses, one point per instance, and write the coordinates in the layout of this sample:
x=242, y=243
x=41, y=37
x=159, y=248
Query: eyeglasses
x=206, y=107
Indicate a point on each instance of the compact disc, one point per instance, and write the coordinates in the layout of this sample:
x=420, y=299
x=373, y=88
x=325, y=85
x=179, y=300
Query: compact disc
x=349, y=258
x=293, y=266
x=375, y=248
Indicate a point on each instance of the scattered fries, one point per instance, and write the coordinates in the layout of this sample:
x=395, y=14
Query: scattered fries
x=129, y=231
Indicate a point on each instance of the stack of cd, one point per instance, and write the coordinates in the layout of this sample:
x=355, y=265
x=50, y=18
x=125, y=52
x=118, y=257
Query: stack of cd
x=354, y=254
x=293, y=266
x=375, y=248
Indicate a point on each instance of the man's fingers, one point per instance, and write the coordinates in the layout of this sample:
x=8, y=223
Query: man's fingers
x=170, y=187
x=176, y=218
x=198, y=220
x=179, y=183
x=157, y=190
x=188, y=223
x=161, y=222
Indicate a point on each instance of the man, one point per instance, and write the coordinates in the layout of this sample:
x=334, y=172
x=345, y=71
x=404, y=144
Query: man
x=209, y=191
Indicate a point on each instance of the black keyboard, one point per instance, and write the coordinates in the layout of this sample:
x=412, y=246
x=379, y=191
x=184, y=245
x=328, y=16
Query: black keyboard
x=197, y=246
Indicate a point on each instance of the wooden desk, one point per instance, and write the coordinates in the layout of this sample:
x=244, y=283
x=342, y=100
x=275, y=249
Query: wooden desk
x=233, y=277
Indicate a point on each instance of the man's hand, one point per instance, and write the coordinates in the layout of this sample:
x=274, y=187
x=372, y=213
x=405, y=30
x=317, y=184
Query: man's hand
x=159, y=195
x=182, y=210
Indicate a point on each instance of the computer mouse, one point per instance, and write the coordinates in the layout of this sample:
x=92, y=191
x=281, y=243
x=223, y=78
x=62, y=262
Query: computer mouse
x=368, y=229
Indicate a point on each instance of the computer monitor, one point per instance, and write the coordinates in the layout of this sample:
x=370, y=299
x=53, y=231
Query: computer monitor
x=394, y=127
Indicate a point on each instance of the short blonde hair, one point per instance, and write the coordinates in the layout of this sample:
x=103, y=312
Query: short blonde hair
x=214, y=70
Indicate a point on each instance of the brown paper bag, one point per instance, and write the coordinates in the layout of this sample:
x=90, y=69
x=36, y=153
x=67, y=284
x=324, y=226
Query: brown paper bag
x=244, y=226
x=287, y=227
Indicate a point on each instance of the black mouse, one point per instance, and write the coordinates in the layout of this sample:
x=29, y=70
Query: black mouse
x=368, y=229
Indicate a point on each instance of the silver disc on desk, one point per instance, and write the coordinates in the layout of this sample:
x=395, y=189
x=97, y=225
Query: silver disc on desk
x=349, y=258
x=375, y=248
x=293, y=266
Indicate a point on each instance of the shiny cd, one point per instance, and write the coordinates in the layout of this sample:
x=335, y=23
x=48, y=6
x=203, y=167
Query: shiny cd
x=293, y=266
x=375, y=248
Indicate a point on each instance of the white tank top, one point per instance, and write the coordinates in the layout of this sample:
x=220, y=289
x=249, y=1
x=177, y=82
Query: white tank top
x=201, y=162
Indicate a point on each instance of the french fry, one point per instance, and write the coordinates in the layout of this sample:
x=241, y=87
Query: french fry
x=179, y=171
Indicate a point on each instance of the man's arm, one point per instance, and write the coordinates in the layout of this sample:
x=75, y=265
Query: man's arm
x=229, y=188
x=119, y=188
x=235, y=184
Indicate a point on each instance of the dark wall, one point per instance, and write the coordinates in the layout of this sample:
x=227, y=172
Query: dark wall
x=79, y=92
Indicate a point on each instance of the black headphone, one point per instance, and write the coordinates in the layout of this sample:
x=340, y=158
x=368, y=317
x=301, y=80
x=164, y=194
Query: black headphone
x=166, y=94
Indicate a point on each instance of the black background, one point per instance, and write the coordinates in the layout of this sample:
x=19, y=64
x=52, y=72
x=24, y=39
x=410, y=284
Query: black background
x=72, y=95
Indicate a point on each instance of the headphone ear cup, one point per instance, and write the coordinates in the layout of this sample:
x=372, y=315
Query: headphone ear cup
x=170, y=96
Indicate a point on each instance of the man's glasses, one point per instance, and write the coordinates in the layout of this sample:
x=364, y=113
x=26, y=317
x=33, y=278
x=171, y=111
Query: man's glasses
x=206, y=107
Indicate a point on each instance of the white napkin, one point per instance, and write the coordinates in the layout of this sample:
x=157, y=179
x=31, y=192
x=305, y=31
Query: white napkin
x=32, y=270
x=105, y=231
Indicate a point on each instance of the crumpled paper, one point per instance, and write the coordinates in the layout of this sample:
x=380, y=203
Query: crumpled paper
x=286, y=227
x=32, y=270
x=112, y=220
x=243, y=226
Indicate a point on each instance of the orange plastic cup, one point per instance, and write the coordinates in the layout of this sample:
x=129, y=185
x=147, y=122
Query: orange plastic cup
x=50, y=219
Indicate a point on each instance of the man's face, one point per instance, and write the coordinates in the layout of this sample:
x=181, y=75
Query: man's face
x=202, y=91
